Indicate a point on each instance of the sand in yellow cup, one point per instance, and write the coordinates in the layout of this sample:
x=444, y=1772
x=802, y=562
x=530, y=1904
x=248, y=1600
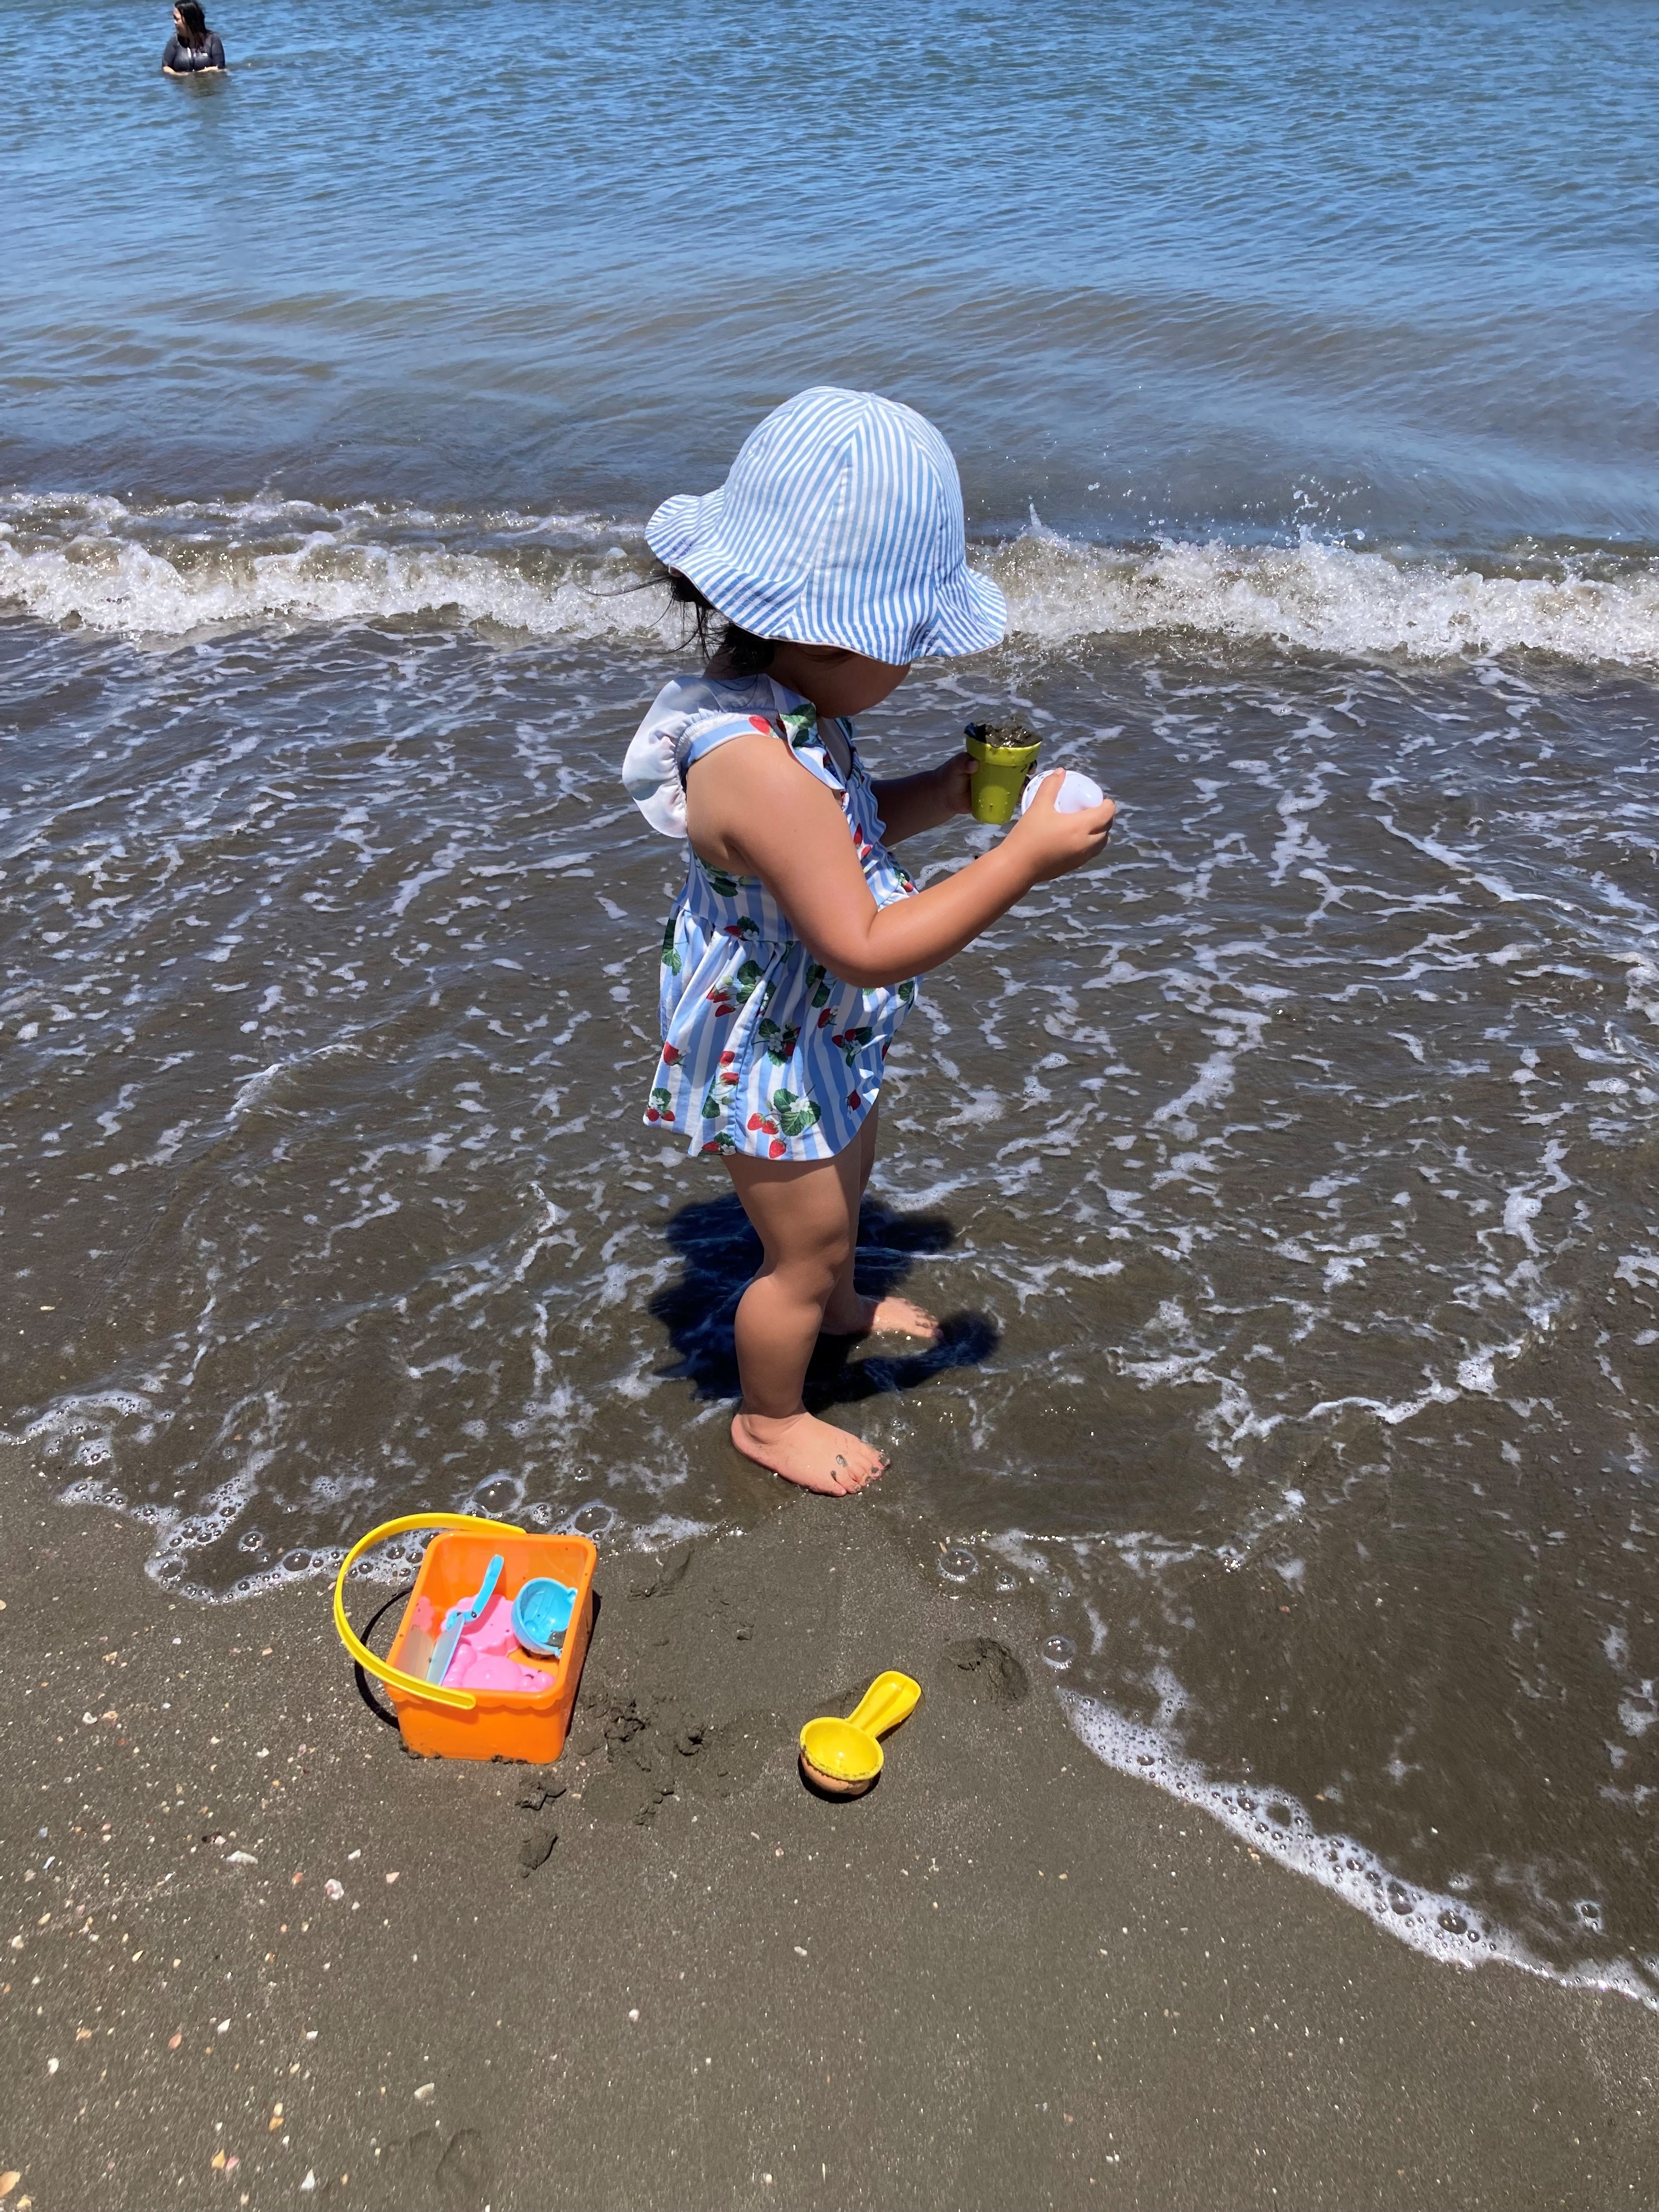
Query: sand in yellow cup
x=1003, y=768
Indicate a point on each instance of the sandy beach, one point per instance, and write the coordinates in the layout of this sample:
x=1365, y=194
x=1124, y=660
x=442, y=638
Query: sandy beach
x=259, y=1955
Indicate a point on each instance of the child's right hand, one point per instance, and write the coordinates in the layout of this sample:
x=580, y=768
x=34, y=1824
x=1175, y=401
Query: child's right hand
x=1047, y=843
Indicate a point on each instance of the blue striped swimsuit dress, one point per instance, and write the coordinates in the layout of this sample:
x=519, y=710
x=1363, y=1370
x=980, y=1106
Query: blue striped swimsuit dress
x=764, y=1051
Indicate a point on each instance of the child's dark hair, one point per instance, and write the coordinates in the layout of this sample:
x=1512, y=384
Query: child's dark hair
x=719, y=638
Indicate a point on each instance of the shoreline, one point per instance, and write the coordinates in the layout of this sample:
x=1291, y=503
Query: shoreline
x=1009, y=1975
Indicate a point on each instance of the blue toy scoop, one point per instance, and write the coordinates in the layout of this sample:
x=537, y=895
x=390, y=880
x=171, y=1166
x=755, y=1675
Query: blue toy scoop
x=541, y=1614
x=456, y=1618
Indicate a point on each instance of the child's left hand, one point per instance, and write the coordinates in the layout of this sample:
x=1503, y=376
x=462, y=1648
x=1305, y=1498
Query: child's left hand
x=922, y=801
x=955, y=778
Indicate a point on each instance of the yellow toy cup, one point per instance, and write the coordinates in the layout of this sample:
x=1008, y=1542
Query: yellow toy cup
x=1003, y=768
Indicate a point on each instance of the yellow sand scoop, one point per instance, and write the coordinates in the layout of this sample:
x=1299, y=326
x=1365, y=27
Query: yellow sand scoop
x=843, y=1757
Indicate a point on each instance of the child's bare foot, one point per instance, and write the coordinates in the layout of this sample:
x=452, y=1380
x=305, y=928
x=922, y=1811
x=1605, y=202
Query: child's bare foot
x=883, y=1317
x=803, y=1449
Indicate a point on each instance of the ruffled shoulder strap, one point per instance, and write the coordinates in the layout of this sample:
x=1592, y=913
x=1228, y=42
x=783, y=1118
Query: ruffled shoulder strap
x=692, y=716
x=681, y=726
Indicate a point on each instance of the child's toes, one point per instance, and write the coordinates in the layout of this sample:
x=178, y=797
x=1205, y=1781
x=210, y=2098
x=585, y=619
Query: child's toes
x=905, y=1317
x=854, y=1470
x=883, y=1317
x=805, y=1450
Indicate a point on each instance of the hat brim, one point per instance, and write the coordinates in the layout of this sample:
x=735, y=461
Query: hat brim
x=971, y=617
x=969, y=614
x=679, y=523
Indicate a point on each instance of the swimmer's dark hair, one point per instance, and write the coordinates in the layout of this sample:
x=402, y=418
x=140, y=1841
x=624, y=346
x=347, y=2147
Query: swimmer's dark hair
x=195, y=23
x=718, y=637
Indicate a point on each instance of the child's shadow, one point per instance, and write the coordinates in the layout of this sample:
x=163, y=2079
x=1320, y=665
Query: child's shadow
x=721, y=1252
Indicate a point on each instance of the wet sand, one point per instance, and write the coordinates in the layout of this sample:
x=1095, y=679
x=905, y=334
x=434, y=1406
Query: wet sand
x=1007, y=1978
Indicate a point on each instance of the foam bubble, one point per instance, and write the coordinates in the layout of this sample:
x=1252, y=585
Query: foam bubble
x=89, y=1492
x=498, y=1497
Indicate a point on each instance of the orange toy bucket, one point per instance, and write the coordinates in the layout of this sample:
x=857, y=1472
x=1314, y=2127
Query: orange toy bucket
x=439, y=1723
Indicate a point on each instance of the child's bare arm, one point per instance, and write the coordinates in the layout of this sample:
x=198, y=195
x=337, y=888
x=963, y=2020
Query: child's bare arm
x=910, y=804
x=751, y=807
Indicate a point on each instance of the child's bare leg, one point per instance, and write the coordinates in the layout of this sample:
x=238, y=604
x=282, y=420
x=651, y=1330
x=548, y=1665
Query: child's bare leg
x=846, y=1313
x=799, y=1210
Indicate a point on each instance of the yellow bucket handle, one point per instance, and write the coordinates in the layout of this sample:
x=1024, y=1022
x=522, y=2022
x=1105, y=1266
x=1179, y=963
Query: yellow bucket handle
x=411, y=1685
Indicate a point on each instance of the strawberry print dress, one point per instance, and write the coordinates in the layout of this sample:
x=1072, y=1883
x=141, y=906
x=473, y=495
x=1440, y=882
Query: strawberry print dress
x=764, y=1051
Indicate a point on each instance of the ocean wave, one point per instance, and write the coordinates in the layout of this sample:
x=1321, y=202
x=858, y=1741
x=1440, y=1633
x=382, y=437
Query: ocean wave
x=183, y=569
x=1441, y=1924
x=1318, y=596
x=190, y=567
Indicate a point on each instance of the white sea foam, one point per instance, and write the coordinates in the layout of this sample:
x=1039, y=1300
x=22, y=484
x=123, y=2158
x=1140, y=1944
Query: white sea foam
x=1325, y=597
x=178, y=570
x=130, y=589
x=1437, y=1923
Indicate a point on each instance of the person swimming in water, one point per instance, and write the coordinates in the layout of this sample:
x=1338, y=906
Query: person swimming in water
x=193, y=48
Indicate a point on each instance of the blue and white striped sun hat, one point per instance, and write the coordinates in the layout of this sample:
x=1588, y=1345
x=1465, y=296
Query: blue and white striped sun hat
x=840, y=524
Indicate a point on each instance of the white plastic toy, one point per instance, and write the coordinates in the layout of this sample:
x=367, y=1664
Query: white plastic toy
x=1076, y=793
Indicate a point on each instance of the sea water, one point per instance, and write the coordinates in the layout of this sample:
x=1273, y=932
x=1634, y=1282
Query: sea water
x=1287, y=1183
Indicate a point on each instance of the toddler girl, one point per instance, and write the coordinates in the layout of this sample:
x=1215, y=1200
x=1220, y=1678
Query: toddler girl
x=833, y=557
